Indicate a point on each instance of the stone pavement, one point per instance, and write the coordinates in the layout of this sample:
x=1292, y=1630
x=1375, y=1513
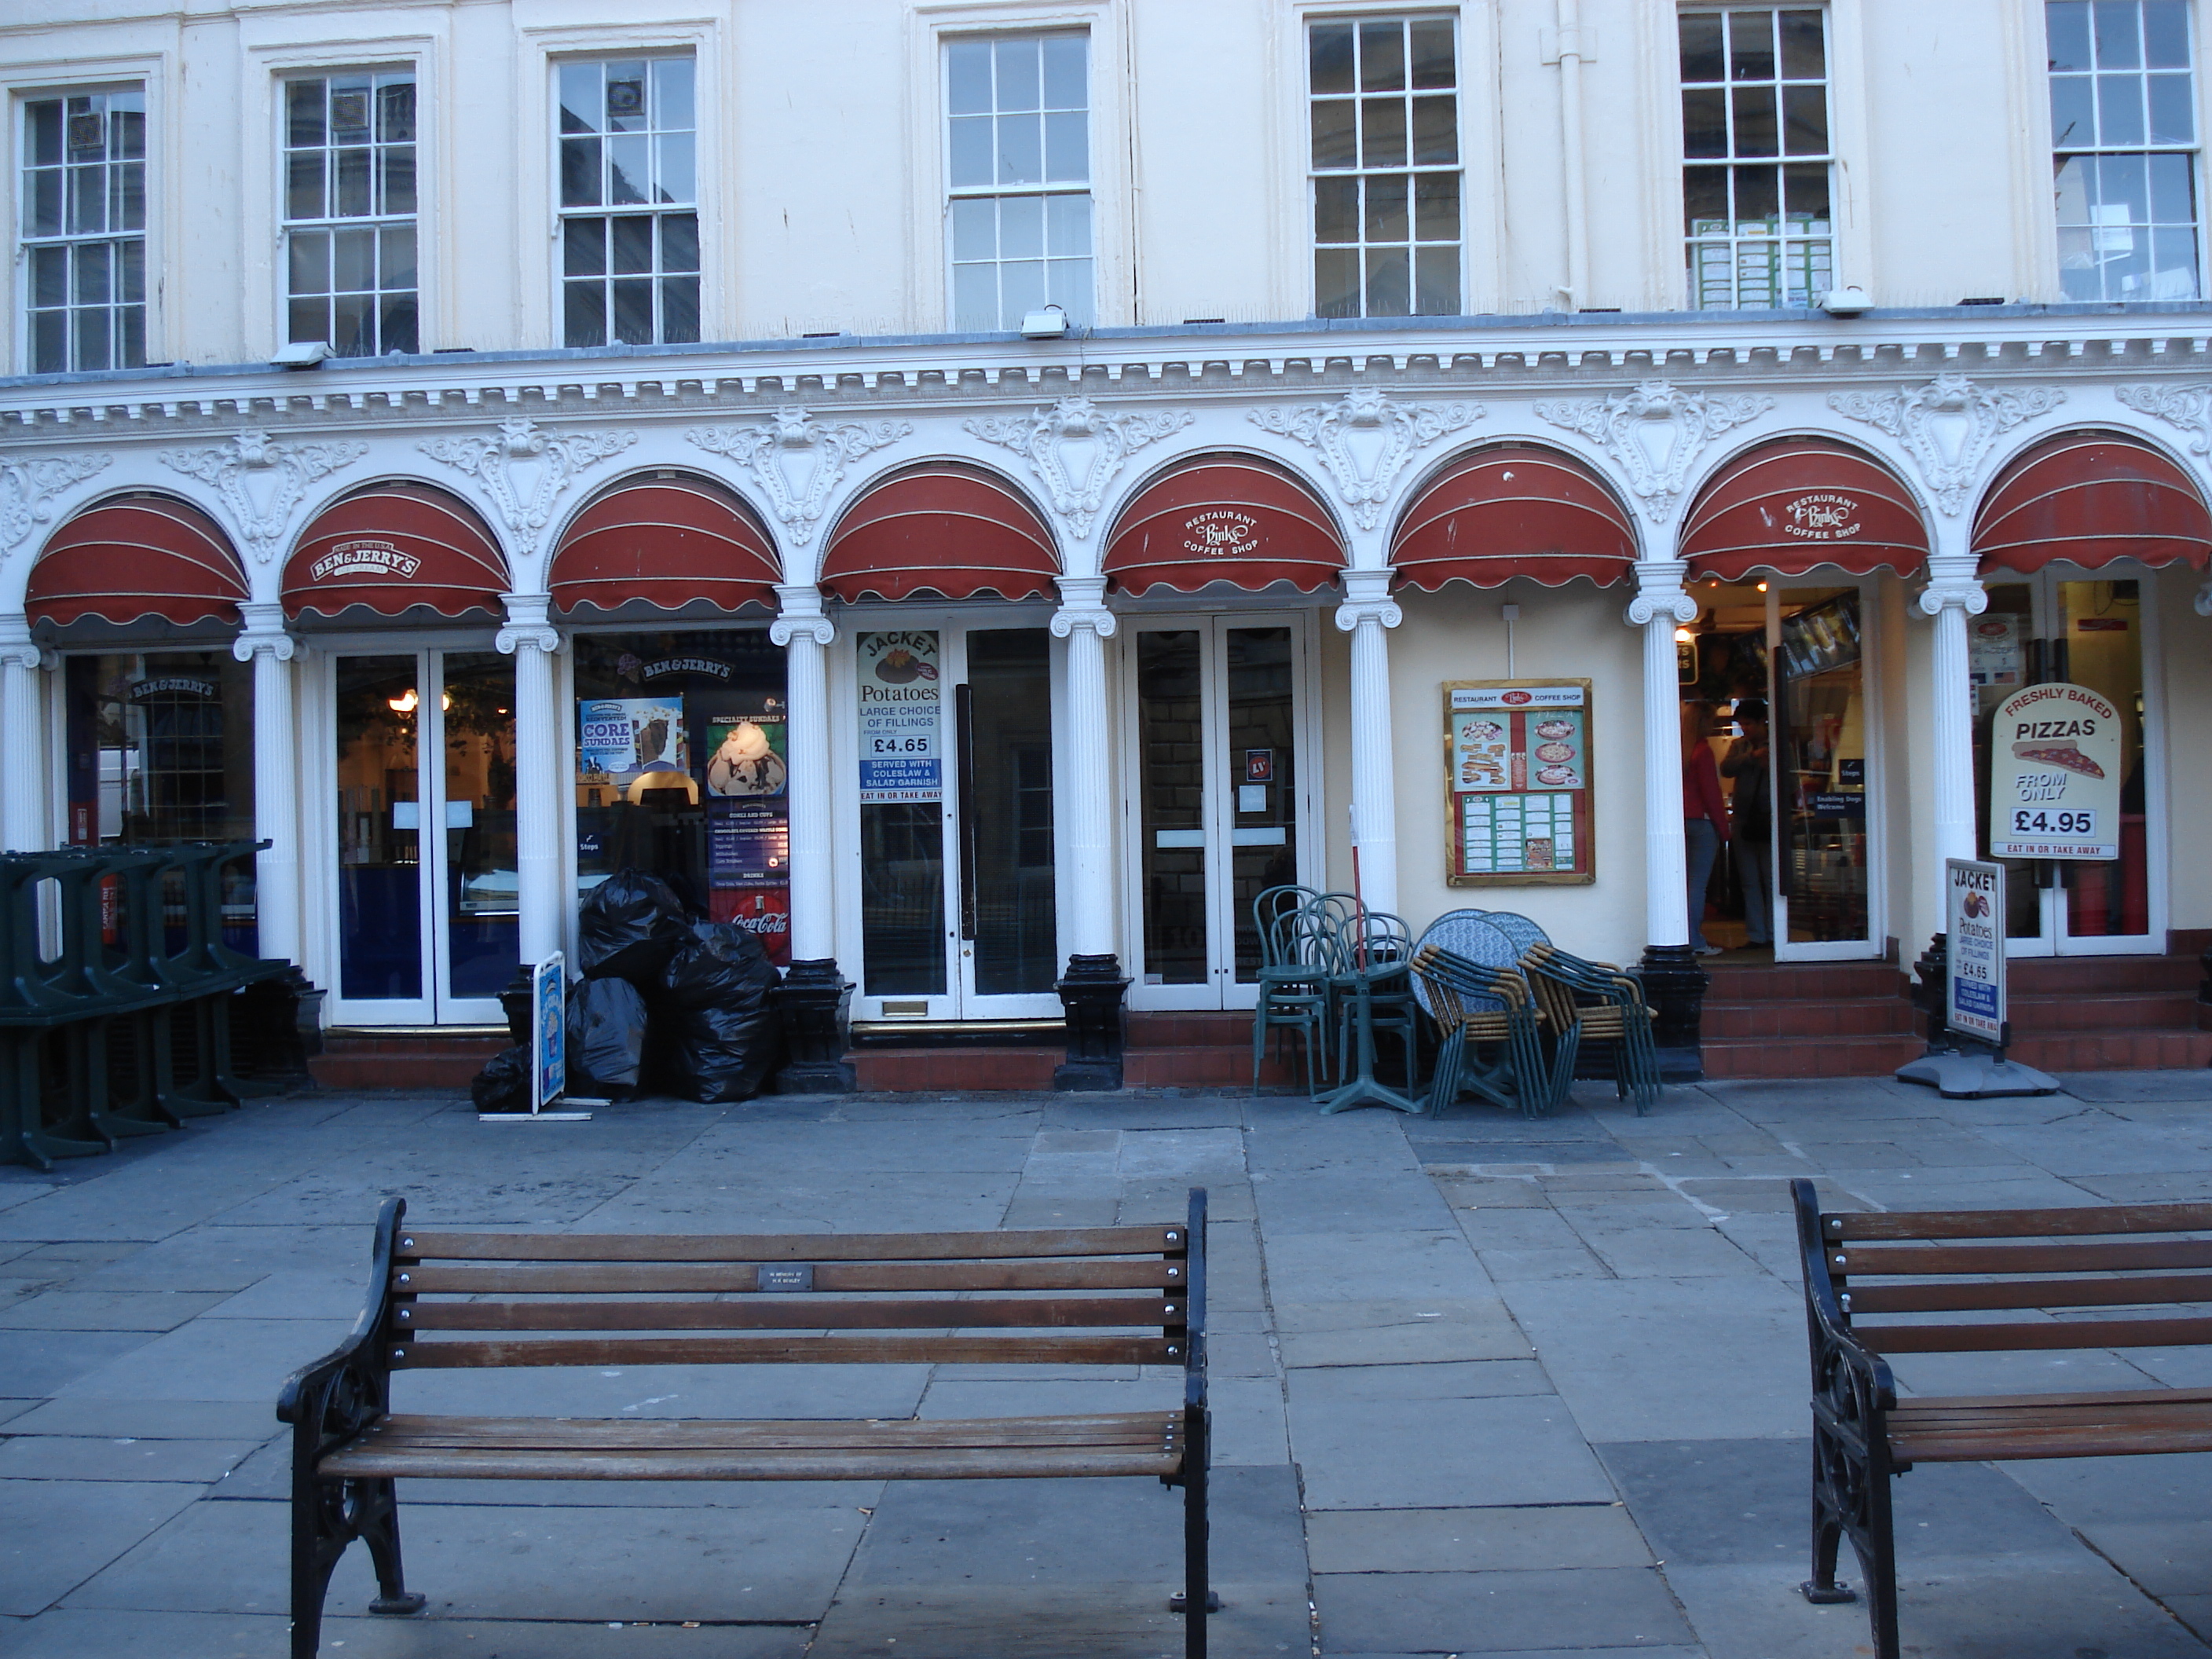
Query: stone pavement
x=1482, y=1386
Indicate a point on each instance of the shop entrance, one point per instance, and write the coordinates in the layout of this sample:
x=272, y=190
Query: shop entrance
x=1221, y=810
x=426, y=884
x=959, y=902
x=1799, y=649
x=2090, y=630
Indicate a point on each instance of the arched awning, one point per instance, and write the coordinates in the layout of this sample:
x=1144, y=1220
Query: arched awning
x=1800, y=503
x=1233, y=519
x=2088, y=498
x=944, y=529
x=1513, y=510
x=393, y=548
x=136, y=558
x=664, y=544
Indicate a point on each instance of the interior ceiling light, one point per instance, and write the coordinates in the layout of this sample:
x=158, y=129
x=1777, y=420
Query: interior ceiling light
x=405, y=703
x=1684, y=636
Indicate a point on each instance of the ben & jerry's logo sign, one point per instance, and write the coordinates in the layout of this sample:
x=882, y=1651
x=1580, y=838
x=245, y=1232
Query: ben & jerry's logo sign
x=1221, y=532
x=1824, y=516
x=364, y=556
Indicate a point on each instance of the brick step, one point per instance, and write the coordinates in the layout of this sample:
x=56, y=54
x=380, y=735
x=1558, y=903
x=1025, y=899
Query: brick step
x=2029, y=974
x=2112, y=1051
x=1207, y=1066
x=484, y=1044
x=439, y=1068
x=1023, y=1069
x=1827, y=1056
x=2105, y=1012
x=1804, y=981
x=1854, y=1017
x=1195, y=1029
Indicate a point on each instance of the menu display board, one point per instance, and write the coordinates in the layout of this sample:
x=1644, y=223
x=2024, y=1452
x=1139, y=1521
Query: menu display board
x=900, y=756
x=1517, y=767
x=2055, y=764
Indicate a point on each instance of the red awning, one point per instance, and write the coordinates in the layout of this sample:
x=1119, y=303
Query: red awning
x=1513, y=511
x=2088, y=498
x=944, y=529
x=395, y=548
x=667, y=542
x=135, y=557
x=1233, y=519
x=1795, y=505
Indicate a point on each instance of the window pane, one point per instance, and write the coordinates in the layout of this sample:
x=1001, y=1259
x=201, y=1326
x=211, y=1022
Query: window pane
x=1805, y=110
x=1751, y=45
x=303, y=196
x=310, y=263
x=679, y=242
x=130, y=325
x=1021, y=288
x=1758, y=197
x=2119, y=109
x=627, y=158
x=2175, y=259
x=1388, y=283
x=1432, y=55
x=1021, y=150
x=87, y=200
x=674, y=178
x=2166, y=33
x=633, y=244
x=583, y=308
x=1436, y=208
x=1805, y=198
x=1336, y=281
x=353, y=326
x=1328, y=57
x=1804, y=55
x=90, y=287
x=1755, y=120
x=2066, y=23
x=1068, y=285
x=91, y=333
x=679, y=310
x=2118, y=44
x=1436, y=294
x=50, y=342
x=398, y=182
x=1702, y=57
x=1704, y=198
x=967, y=77
x=395, y=256
x=2126, y=179
x=42, y=123
x=2073, y=110
x=126, y=200
x=1067, y=148
x=1704, y=123
x=626, y=110
x=672, y=94
x=2172, y=192
x=1336, y=209
x=971, y=150
x=1021, y=228
x=1333, y=143
x=579, y=173
x=130, y=272
x=126, y=118
x=633, y=308
x=1017, y=65
x=974, y=297
x=42, y=205
x=303, y=108
x=395, y=329
x=1067, y=226
x=584, y=248
x=353, y=181
x=1436, y=130
x=1382, y=57
x=2173, y=119
x=974, y=228
x=395, y=112
x=1382, y=132
x=1067, y=73
x=307, y=319
x=349, y=111
x=353, y=261
x=581, y=98
x=1386, y=208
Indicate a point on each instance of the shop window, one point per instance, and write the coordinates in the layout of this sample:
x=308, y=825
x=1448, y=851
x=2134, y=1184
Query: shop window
x=83, y=250
x=681, y=772
x=1383, y=112
x=159, y=749
x=350, y=213
x=630, y=203
x=1018, y=147
x=2124, y=134
x=1757, y=168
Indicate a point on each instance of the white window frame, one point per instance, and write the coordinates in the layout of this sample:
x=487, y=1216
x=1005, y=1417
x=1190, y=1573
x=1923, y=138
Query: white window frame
x=562, y=215
x=330, y=225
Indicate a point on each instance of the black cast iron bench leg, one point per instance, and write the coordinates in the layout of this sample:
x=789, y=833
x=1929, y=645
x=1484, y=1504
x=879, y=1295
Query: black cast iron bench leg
x=341, y=1511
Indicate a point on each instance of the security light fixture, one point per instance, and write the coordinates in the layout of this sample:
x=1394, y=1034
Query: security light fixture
x=1846, y=302
x=301, y=353
x=1050, y=324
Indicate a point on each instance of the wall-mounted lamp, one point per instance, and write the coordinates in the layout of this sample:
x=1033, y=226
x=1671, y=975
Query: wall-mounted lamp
x=1050, y=324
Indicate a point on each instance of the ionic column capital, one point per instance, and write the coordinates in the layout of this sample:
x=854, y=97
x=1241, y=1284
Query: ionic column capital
x=527, y=624
x=263, y=632
x=1660, y=595
x=799, y=616
x=1366, y=598
x=1082, y=605
x=1952, y=583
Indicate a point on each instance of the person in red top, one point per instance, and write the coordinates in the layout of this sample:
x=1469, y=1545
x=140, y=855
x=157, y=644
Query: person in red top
x=1704, y=815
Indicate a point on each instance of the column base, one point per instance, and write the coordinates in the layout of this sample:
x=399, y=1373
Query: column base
x=1093, y=991
x=1674, y=985
x=813, y=1008
x=278, y=1026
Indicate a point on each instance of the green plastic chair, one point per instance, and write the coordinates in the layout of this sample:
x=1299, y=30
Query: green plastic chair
x=1293, y=977
x=1486, y=1023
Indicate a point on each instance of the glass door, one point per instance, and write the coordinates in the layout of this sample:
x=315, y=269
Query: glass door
x=958, y=900
x=1824, y=779
x=426, y=845
x=1220, y=807
x=2064, y=624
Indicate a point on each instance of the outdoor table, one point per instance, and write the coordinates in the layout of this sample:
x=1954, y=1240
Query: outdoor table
x=1362, y=1089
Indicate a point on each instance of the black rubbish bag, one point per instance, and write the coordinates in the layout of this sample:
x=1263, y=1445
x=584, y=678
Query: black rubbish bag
x=606, y=1038
x=503, y=1086
x=629, y=928
x=715, y=1037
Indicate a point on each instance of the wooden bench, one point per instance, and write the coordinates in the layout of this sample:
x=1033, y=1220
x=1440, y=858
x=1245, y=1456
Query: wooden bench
x=2027, y=1280
x=1091, y=1296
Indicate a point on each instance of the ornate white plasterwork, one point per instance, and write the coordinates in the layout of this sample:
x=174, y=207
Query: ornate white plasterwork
x=27, y=486
x=525, y=469
x=262, y=482
x=1075, y=450
x=1366, y=438
x=1948, y=426
x=1660, y=595
x=2189, y=407
x=1655, y=431
x=798, y=461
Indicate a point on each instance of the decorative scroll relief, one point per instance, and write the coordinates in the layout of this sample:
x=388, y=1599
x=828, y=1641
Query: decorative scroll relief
x=1655, y=432
x=526, y=468
x=28, y=486
x=2189, y=407
x=798, y=462
x=1366, y=439
x=1075, y=451
x=1948, y=426
x=262, y=482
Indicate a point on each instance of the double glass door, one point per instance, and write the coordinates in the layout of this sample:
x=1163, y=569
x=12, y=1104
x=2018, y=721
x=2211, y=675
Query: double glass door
x=958, y=900
x=1220, y=809
x=2089, y=629
x=426, y=840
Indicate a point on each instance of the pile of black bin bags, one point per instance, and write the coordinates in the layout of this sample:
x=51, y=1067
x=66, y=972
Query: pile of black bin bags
x=668, y=1005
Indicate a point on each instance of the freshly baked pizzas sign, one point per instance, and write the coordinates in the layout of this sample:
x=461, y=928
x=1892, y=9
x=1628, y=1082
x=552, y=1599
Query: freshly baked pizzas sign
x=2055, y=774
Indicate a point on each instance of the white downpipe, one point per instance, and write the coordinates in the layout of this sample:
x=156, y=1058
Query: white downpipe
x=1087, y=816
x=23, y=822
x=532, y=639
x=1659, y=606
x=807, y=635
x=1572, y=191
x=266, y=644
x=1365, y=613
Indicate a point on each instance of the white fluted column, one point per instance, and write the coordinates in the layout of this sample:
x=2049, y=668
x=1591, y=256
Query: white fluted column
x=806, y=635
x=23, y=820
x=531, y=638
x=1953, y=594
x=1086, y=815
x=1661, y=606
x=1366, y=612
x=264, y=643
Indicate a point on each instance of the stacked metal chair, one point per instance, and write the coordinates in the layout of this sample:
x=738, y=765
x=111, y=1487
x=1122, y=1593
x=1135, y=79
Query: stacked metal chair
x=1593, y=1001
x=1467, y=977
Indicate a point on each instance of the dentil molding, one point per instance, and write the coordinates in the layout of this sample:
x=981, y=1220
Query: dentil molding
x=1655, y=432
x=261, y=481
x=798, y=460
x=28, y=486
x=1948, y=426
x=1076, y=451
x=1365, y=439
x=525, y=469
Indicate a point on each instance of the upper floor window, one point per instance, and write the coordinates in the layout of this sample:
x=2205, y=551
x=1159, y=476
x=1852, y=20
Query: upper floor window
x=630, y=203
x=1017, y=144
x=1385, y=167
x=349, y=212
x=1756, y=163
x=84, y=231
x=2124, y=131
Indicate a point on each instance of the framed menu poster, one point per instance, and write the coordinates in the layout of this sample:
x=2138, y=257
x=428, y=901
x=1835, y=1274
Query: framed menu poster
x=1518, y=765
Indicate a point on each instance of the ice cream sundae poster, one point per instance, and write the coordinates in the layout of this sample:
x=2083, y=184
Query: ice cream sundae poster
x=1517, y=781
x=900, y=710
x=2055, y=765
x=622, y=737
x=745, y=756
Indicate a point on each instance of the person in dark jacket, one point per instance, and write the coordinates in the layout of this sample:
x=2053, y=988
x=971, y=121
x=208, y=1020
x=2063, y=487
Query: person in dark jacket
x=1705, y=816
x=1752, y=807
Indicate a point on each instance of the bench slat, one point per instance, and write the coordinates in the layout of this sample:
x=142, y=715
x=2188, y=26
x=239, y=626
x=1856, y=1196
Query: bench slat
x=1860, y=1262
x=2019, y=1223
x=788, y=1247
x=2058, y=1333
x=589, y=1279
x=863, y=1463
x=794, y=1313
x=400, y=1431
x=2098, y=1397
x=2030, y=1293
x=406, y=1354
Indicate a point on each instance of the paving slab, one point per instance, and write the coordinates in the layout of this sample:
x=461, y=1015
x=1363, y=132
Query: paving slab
x=66, y=1457
x=1490, y=1613
x=1358, y=1266
x=54, y=1534
x=106, y=1310
x=1553, y=1538
x=36, y=1363
x=1438, y=1453
x=1397, y=1332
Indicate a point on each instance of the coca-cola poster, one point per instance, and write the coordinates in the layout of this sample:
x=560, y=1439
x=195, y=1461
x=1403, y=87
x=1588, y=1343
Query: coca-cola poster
x=765, y=911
